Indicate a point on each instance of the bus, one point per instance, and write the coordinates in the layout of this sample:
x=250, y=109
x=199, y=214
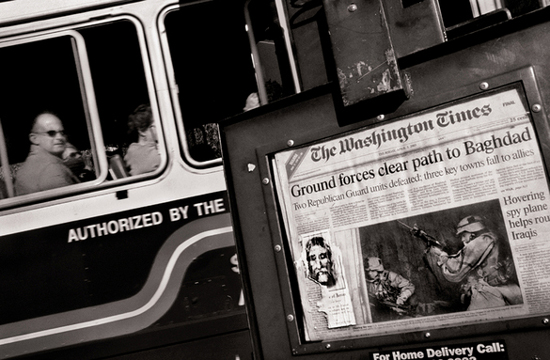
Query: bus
x=125, y=265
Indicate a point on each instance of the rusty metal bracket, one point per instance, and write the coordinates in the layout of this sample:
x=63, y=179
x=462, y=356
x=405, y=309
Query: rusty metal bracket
x=364, y=57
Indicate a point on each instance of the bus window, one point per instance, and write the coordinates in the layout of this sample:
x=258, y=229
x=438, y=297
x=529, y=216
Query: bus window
x=269, y=52
x=225, y=59
x=309, y=28
x=87, y=82
x=120, y=87
x=466, y=16
x=41, y=76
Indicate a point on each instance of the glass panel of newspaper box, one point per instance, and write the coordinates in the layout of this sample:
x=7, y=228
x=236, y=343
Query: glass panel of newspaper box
x=435, y=220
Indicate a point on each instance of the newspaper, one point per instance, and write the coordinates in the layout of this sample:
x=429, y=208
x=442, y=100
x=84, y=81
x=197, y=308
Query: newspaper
x=435, y=220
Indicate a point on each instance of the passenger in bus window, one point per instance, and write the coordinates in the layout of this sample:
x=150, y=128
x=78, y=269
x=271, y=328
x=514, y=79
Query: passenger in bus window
x=252, y=102
x=76, y=161
x=44, y=168
x=143, y=155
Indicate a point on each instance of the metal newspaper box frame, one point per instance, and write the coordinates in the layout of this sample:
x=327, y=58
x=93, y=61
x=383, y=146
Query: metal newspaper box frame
x=267, y=263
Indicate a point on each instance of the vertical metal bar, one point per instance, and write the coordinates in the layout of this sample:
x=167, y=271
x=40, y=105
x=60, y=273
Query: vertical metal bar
x=262, y=93
x=89, y=104
x=283, y=21
x=416, y=27
x=5, y=164
x=83, y=93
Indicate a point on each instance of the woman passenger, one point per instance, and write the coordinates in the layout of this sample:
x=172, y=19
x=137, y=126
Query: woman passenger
x=142, y=156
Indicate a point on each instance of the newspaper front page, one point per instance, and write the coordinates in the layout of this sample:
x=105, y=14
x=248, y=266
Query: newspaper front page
x=435, y=220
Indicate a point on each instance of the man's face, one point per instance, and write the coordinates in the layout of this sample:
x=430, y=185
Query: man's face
x=48, y=133
x=372, y=274
x=465, y=237
x=319, y=264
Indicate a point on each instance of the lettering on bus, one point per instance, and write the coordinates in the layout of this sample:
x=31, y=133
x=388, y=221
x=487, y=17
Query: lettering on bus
x=146, y=220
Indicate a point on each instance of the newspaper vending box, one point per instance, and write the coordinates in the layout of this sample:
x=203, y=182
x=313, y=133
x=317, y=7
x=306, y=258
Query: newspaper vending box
x=422, y=233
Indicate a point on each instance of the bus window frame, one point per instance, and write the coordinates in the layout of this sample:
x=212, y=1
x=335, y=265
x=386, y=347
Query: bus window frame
x=289, y=43
x=88, y=97
x=4, y=161
x=92, y=119
x=174, y=88
x=95, y=131
x=256, y=60
x=151, y=91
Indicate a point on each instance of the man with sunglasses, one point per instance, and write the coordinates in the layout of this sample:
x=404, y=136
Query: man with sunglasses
x=44, y=168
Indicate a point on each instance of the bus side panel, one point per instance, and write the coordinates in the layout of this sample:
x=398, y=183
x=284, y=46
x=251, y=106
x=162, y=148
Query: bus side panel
x=131, y=272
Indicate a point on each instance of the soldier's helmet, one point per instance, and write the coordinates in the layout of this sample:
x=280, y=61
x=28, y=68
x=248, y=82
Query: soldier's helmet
x=471, y=224
x=374, y=264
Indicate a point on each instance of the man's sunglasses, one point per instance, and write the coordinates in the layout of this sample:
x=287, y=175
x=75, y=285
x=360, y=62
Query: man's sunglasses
x=53, y=133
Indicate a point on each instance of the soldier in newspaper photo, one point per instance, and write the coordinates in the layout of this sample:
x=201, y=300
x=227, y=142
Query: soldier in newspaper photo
x=485, y=272
x=456, y=260
x=391, y=295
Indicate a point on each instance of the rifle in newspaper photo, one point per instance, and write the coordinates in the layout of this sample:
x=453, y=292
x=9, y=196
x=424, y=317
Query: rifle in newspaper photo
x=402, y=310
x=421, y=234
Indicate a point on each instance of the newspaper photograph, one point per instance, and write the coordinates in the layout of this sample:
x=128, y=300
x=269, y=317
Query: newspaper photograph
x=434, y=220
